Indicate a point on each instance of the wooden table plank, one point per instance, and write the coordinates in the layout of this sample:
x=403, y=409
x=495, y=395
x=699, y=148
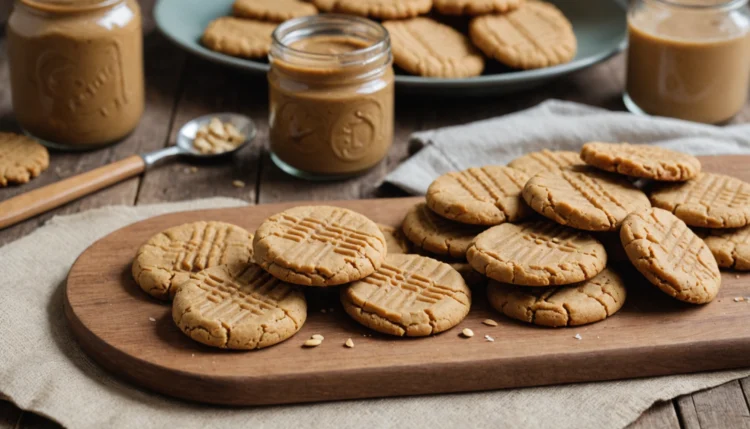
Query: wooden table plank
x=661, y=415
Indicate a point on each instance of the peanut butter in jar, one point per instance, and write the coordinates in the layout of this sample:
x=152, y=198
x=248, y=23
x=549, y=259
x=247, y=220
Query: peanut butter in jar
x=76, y=70
x=688, y=59
x=331, y=91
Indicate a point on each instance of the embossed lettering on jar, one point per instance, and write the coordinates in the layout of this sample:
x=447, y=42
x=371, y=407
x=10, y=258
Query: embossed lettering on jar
x=76, y=69
x=331, y=90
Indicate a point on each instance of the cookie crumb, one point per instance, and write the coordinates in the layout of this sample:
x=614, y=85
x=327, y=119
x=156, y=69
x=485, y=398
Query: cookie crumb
x=489, y=322
x=152, y=319
x=736, y=276
x=739, y=299
x=468, y=333
x=488, y=338
x=349, y=343
x=238, y=183
x=313, y=342
x=192, y=354
x=318, y=337
x=578, y=337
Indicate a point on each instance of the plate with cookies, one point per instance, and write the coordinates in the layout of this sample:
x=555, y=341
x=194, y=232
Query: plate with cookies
x=618, y=261
x=467, y=47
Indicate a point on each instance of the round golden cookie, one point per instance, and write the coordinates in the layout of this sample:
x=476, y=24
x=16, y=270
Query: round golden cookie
x=546, y=160
x=573, y=305
x=379, y=9
x=239, y=307
x=475, y=7
x=239, y=37
x=21, y=158
x=409, y=295
x=488, y=195
x=434, y=234
x=272, y=10
x=645, y=161
x=710, y=200
x=425, y=47
x=166, y=260
x=319, y=246
x=670, y=255
x=533, y=36
x=539, y=253
x=730, y=247
x=395, y=240
x=584, y=197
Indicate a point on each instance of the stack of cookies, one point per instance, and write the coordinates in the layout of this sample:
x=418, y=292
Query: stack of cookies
x=521, y=34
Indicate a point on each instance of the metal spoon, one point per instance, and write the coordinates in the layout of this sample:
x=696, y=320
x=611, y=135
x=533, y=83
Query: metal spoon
x=40, y=200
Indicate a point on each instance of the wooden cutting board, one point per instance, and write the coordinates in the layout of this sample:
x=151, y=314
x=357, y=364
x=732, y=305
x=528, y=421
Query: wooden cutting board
x=133, y=335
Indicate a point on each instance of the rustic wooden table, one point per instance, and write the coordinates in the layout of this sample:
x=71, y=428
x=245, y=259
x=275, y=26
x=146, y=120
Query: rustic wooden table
x=180, y=87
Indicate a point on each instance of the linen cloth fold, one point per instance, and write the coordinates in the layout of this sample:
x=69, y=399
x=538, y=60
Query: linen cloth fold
x=554, y=125
x=43, y=370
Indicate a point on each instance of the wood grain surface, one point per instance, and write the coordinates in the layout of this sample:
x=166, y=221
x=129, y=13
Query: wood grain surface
x=180, y=86
x=134, y=336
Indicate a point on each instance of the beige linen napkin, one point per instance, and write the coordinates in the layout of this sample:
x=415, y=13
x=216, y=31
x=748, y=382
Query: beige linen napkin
x=43, y=370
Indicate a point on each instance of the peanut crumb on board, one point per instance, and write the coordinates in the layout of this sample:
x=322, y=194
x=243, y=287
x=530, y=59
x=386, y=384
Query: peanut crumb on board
x=467, y=333
x=152, y=319
x=318, y=337
x=739, y=299
x=313, y=342
x=191, y=170
x=578, y=337
x=349, y=343
x=238, y=183
x=489, y=322
x=736, y=276
x=488, y=338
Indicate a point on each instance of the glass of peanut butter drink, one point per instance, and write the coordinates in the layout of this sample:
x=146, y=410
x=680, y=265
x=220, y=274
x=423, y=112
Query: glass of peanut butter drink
x=688, y=59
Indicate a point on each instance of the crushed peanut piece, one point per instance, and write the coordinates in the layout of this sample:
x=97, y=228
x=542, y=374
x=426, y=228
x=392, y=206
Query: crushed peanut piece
x=238, y=184
x=489, y=322
x=488, y=338
x=468, y=333
x=736, y=276
x=318, y=337
x=152, y=319
x=217, y=137
x=349, y=343
x=313, y=342
x=578, y=337
x=739, y=299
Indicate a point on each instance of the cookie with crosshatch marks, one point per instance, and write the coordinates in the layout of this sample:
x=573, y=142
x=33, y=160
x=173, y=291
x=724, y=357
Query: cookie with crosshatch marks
x=410, y=295
x=319, y=246
x=533, y=36
x=641, y=160
x=710, y=201
x=379, y=9
x=395, y=240
x=731, y=247
x=577, y=304
x=425, y=47
x=671, y=256
x=272, y=10
x=437, y=235
x=539, y=253
x=545, y=160
x=166, y=260
x=239, y=37
x=475, y=7
x=238, y=307
x=488, y=195
x=21, y=158
x=584, y=197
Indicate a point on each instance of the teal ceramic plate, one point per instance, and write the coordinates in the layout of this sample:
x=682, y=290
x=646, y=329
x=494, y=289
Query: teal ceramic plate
x=599, y=25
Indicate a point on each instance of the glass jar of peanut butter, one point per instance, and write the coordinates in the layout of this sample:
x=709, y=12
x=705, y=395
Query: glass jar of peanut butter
x=688, y=59
x=331, y=91
x=76, y=70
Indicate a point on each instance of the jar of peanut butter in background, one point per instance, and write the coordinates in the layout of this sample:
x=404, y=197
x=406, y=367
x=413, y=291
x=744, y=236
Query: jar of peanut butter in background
x=76, y=70
x=331, y=91
x=688, y=59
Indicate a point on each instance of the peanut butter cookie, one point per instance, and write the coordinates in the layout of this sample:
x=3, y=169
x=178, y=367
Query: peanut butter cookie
x=670, y=255
x=395, y=240
x=539, y=253
x=578, y=304
x=731, y=247
x=238, y=307
x=479, y=196
x=425, y=47
x=434, y=234
x=546, y=160
x=648, y=162
x=166, y=260
x=319, y=246
x=533, y=36
x=379, y=9
x=409, y=295
x=710, y=200
x=21, y=159
x=272, y=10
x=239, y=37
x=475, y=7
x=583, y=197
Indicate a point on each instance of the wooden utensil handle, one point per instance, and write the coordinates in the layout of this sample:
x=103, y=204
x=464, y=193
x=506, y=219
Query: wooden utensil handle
x=40, y=200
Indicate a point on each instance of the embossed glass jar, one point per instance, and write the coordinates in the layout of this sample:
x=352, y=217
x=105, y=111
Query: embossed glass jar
x=76, y=70
x=331, y=91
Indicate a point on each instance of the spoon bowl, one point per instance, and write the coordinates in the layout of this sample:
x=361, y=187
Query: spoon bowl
x=187, y=133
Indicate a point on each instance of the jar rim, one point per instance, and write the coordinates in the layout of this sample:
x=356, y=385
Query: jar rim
x=68, y=6
x=693, y=5
x=379, y=47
